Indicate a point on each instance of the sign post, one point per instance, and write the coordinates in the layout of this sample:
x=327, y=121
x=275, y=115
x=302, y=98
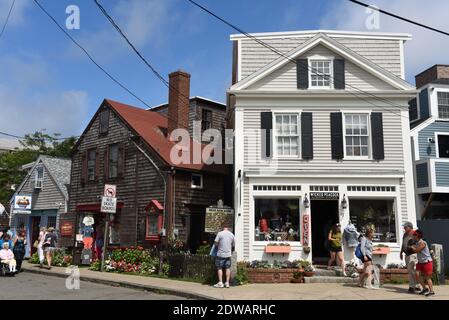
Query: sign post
x=108, y=206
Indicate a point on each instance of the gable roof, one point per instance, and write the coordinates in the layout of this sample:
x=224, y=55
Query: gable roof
x=58, y=169
x=195, y=98
x=335, y=46
x=152, y=127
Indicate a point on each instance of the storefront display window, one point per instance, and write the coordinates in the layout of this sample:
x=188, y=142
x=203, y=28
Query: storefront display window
x=276, y=219
x=377, y=213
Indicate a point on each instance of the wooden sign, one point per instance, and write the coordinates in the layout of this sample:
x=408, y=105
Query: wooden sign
x=215, y=217
x=324, y=196
x=66, y=229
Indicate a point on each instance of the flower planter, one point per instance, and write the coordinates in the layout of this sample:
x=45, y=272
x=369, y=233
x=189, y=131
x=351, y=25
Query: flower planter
x=270, y=275
x=299, y=280
x=309, y=273
x=278, y=249
x=381, y=250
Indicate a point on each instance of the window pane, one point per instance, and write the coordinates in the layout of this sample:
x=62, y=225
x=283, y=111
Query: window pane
x=276, y=218
x=365, y=213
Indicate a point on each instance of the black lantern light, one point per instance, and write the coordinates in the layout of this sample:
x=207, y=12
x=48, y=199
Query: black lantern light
x=344, y=202
x=306, y=201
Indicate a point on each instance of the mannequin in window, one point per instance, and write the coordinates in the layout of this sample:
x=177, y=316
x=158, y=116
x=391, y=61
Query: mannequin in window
x=351, y=239
x=88, y=231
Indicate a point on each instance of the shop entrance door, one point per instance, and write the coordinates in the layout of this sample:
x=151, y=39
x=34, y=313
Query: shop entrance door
x=35, y=228
x=324, y=213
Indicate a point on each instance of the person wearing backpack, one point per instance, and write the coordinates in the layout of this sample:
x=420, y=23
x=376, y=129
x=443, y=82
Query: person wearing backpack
x=366, y=250
x=19, y=249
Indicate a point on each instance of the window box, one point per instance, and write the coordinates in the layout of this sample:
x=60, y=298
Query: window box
x=270, y=248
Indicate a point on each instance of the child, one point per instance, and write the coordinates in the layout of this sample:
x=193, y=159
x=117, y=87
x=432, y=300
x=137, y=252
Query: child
x=424, y=268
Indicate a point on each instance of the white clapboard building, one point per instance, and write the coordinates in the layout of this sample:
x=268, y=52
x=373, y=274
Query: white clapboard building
x=322, y=136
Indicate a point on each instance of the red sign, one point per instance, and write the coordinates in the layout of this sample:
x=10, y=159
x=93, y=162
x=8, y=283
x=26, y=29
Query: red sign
x=110, y=190
x=305, y=230
x=66, y=229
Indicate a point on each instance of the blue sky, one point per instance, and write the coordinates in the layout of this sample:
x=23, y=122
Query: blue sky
x=47, y=82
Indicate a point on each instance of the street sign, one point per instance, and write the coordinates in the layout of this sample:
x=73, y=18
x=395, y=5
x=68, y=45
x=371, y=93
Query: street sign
x=110, y=190
x=108, y=204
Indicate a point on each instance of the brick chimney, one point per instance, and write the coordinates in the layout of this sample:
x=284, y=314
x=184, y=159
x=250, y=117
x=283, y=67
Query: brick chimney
x=438, y=71
x=178, y=100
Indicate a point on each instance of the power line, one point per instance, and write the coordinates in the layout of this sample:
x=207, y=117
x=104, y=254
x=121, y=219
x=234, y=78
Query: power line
x=400, y=18
x=7, y=18
x=88, y=55
x=304, y=65
x=140, y=55
x=22, y=138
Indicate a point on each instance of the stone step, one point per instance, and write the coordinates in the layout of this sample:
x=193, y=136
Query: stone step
x=328, y=273
x=329, y=279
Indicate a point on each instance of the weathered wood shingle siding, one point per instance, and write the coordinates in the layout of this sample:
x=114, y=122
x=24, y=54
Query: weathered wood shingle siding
x=285, y=78
x=428, y=150
x=385, y=53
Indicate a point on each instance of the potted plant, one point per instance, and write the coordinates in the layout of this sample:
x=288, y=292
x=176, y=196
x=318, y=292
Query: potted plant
x=309, y=270
x=298, y=276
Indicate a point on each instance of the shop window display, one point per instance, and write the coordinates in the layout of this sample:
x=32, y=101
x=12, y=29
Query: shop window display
x=377, y=213
x=276, y=219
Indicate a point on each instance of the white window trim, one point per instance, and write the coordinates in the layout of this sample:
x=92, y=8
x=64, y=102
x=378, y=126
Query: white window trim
x=195, y=186
x=437, y=102
x=370, y=153
x=437, y=149
x=275, y=150
x=331, y=69
x=396, y=197
x=36, y=176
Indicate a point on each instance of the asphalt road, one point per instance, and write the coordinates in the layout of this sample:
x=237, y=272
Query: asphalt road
x=36, y=286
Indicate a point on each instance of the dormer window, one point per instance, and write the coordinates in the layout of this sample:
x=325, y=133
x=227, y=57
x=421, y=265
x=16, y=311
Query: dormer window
x=320, y=73
x=39, y=181
x=443, y=105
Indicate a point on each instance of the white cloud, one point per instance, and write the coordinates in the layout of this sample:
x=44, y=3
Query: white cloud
x=427, y=47
x=26, y=104
x=18, y=13
x=143, y=21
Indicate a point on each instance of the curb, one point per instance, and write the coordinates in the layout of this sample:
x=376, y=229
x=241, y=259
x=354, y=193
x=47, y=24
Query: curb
x=130, y=285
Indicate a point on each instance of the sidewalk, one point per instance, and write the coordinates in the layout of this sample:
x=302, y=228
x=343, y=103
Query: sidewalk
x=317, y=291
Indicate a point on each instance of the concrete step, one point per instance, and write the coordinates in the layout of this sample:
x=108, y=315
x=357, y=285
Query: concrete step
x=328, y=273
x=329, y=279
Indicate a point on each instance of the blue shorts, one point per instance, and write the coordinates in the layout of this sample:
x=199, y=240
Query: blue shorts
x=222, y=263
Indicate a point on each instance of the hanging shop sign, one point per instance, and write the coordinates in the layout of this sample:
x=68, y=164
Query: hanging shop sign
x=324, y=196
x=216, y=216
x=66, y=229
x=22, y=204
x=305, y=229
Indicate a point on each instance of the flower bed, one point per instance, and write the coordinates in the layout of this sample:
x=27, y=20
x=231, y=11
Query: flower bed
x=60, y=258
x=277, y=272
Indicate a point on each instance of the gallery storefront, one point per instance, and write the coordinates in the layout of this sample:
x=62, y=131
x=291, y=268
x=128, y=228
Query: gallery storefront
x=296, y=217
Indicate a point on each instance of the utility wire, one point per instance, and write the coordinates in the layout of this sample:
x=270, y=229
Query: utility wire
x=7, y=18
x=275, y=50
x=400, y=18
x=140, y=55
x=21, y=138
x=88, y=55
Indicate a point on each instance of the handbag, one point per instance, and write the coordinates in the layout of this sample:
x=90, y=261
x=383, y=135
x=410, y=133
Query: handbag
x=36, y=244
x=358, y=252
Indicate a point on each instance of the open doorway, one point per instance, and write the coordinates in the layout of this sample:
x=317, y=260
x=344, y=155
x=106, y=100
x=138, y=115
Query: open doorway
x=324, y=213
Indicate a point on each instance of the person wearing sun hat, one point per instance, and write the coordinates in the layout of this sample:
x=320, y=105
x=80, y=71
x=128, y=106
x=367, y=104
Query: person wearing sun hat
x=410, y=257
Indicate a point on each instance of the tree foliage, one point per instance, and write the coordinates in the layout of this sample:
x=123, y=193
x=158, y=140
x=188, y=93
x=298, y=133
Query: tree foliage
x=34, y=145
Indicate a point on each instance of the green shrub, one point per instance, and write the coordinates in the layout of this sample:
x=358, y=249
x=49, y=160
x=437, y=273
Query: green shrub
x=60, y=258
x=204, y=249
x=241, y=277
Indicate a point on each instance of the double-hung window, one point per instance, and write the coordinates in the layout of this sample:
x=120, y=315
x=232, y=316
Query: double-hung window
x=443, y=105
x=113, y=161
x=320, y=73
x=91, y=161
x=39, y=181
x=287, y=135
x=357, y=135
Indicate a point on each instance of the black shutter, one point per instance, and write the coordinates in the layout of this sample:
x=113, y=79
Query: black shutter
x=266, y=124
x=307, y=135
x=377, y=133
x=337, y=135
x=302, y=73
x=339, y=74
